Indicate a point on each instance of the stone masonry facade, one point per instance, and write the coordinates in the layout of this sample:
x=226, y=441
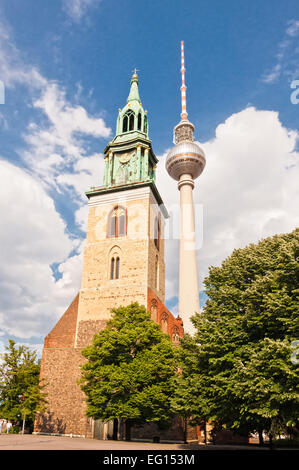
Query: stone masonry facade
x=60, y=370
x=141, y=279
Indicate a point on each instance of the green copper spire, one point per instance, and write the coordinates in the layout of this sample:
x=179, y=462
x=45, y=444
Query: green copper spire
x=134, y=92
x=132, y=119
x=129, y=158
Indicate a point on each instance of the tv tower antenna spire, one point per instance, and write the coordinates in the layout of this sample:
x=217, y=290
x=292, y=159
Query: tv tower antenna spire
x=184, y=163
x=184, y=114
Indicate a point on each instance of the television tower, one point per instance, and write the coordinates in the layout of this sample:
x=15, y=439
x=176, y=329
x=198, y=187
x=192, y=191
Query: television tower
x=185, y=162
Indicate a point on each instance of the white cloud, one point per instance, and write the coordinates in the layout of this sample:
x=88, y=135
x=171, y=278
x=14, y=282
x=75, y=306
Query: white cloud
x=32, y=238
x=273, y=75
x=56, y=142
x=76, y=9
x=3, y=122
x=13, y=70
x=55, y=146
x=35, y=238
x=86, y=172
x=286, y=56
x=66, y=119
x=34, y=347
x=249, y=188
x=293, y=28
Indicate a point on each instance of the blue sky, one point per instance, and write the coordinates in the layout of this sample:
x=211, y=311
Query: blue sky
x=229, y=46
x=66, y=66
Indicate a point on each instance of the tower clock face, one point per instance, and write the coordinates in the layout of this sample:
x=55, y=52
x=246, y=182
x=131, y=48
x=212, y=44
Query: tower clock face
x=126, y=157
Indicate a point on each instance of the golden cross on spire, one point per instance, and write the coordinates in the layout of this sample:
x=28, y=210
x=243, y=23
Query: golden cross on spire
x=135, y=71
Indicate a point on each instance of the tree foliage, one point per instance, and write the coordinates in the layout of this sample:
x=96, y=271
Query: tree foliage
x=129, y=369
x=20, y=392
x=240, y=357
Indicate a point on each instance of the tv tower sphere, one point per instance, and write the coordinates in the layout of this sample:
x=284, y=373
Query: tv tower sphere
x=184, y=163
x=186, y=157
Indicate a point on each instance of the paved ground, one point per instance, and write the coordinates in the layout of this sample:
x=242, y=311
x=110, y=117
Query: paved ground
x=36, y=442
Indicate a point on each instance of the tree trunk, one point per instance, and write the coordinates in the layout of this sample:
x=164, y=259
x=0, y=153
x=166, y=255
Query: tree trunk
x=120, y=430
x=128, y=430
x=185, y=429
x=271, y=440
x=205, y=432
x=115, y=429
x=261, y=437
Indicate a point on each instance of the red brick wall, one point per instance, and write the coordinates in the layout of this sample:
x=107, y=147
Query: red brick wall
x=174, y=433
x=63, y=333
x=173, y=323
x=60, y=369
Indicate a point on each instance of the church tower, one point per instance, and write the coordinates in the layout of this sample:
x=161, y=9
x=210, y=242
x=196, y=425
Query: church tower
x=124, y=253
x=123, y=263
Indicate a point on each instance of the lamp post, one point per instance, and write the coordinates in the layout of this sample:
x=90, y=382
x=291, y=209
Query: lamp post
x=22, y=398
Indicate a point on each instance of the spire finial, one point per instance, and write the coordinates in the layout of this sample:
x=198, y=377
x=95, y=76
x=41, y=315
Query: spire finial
x=135, y=76
x=134, y=93
x=184, y=114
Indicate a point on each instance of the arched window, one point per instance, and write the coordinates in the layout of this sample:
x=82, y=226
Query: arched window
x=123, y=174
x=112, y=224
x=145, y=125
x=128, y=121
x=164, y=323
x=157, y=232
x=112, y=266
x=117, y=268
x=122, y=222
x=125, y=124
x=139, y=122
x=117, y=222
x=114, y=258
x=175, y=335
x=156, y=272
x=154, y=310
x=131, y=122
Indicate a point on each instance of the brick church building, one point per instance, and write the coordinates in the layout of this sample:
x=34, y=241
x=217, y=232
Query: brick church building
x=123, y=263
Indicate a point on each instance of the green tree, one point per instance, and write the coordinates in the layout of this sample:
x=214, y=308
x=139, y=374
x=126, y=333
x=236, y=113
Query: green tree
x=21, y=395
x=182, y=400
x=240, y=356
x=185, y=399
x=129, y=369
